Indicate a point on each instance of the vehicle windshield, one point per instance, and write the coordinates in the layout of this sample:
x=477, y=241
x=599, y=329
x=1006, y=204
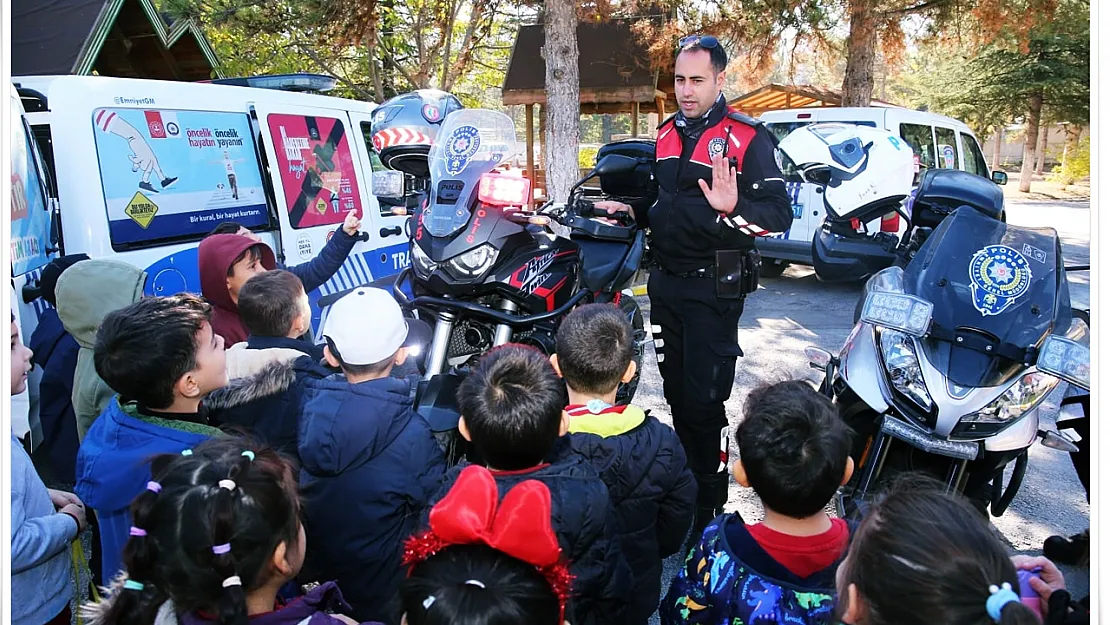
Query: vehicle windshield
x=471, y=142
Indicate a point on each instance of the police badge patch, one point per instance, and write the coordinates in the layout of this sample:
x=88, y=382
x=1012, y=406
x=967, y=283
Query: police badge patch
x=462, y=145
x=716, y=146
x=999, y=275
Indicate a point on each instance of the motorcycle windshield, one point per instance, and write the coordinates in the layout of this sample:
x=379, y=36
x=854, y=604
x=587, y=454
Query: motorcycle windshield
x=471, y=143
x=991, y=285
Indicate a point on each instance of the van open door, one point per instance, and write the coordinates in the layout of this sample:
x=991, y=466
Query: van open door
x=318, y=175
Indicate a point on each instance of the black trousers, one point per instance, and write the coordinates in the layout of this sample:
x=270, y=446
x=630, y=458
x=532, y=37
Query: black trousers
x=696, y=346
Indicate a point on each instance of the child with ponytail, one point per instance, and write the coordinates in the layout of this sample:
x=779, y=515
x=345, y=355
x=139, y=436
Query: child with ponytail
x=215, y=535
x=926, y=557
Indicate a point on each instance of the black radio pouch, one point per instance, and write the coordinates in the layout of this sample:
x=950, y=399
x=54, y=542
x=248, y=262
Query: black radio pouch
x=737, y=273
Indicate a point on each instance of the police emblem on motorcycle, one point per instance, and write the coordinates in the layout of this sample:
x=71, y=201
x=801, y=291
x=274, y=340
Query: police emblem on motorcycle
x=716, y=146
x=461, y=146
x=999, y=275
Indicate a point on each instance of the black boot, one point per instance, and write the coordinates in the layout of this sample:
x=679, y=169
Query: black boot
x=712, y=495
x=1073, y=551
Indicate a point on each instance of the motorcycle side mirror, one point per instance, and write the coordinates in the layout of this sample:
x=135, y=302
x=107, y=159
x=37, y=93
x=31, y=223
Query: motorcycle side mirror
x=999, y=177
x=614, y=164
x=818, y=358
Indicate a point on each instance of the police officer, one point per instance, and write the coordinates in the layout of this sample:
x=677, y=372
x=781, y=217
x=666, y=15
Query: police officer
x=719, y=188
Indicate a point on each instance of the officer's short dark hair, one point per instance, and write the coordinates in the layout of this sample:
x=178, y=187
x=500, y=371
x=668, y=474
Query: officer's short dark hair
x=793, y=447
x=512, y=404
x=270, y=302
x=718, y=58
x=594, y=345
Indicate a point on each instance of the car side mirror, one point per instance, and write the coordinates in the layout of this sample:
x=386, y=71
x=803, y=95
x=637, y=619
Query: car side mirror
x=999, y=177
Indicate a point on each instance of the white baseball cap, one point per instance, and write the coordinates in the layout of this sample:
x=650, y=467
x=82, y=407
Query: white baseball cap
x=366, y=326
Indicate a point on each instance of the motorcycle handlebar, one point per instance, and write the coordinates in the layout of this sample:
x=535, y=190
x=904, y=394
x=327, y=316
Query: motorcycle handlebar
x=430, y=301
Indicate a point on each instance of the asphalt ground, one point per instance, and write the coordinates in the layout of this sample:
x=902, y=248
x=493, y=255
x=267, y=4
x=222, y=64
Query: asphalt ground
x=789, y=313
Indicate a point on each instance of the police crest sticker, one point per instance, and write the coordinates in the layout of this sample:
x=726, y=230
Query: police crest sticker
x=716, y=146
x=462, y=145
x=999, y=275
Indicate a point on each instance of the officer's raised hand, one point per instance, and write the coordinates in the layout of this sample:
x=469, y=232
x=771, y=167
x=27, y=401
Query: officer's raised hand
x=722, y=195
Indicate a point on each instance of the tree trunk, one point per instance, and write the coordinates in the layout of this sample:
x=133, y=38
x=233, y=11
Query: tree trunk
x=1032, y=126
x=859, y=75
x=560, y=53
x=606, y=128
x=1071, y=147
x=1042, y=145
x=996, y=158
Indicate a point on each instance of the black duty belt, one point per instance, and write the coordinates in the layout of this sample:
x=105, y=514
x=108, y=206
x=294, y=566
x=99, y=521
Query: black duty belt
x=704, y=272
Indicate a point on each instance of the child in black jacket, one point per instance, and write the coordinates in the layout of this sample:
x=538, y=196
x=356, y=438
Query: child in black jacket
x=639, y=458
x=512, y=411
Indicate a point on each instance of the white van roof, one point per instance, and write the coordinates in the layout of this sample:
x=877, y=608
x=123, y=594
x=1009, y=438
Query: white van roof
x=882, y=117
x=107, y=91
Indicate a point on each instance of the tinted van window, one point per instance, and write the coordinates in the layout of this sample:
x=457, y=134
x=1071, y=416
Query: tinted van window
x=973, y=157
x=946, y=148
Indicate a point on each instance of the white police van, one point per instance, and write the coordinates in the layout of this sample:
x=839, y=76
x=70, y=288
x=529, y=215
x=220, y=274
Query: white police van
x=936, y=140
x=142, y=170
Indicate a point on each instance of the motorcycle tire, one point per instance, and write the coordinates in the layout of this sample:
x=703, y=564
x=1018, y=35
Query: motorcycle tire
x=631, y=309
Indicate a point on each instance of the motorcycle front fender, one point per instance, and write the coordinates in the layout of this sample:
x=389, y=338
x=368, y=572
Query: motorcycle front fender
x=861, y=368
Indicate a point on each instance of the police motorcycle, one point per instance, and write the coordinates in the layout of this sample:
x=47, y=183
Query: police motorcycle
x=487, y=268
x=958, y=344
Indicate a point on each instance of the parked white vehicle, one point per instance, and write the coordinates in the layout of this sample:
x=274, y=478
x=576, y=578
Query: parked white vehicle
x=142, y=170
x=859, y=248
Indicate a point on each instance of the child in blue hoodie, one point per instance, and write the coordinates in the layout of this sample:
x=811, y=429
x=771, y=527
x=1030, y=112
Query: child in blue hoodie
x=161, y=356
x=370, y=464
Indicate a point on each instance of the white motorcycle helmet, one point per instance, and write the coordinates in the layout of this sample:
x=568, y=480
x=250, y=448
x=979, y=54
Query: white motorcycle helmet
x=858, y=166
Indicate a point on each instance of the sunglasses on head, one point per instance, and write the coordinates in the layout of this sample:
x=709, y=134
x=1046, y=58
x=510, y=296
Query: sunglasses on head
x=705, y=41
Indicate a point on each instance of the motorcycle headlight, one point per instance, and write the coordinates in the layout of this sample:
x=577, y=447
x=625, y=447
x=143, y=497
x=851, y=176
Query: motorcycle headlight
x=903, y=367
x=423, y=263
x=473, y=264
x=1022, y=396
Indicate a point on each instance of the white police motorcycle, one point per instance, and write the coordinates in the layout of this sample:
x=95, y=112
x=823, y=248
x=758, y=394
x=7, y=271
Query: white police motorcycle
x=959, y=343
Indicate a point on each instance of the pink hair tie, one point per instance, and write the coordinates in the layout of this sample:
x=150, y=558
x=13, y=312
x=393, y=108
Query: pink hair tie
x=137, y=531
x=154, y=487
x=222, y=549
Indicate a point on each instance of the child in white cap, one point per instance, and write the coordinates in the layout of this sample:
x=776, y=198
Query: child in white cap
x=370, y=464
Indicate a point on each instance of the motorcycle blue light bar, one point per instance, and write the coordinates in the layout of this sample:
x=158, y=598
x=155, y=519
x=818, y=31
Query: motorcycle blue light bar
x=898, y=311
x=1067, y=360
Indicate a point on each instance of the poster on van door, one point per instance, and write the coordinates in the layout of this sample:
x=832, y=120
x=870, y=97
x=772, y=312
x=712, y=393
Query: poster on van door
x=30, y=219
x=316, y=167
x=169, y=174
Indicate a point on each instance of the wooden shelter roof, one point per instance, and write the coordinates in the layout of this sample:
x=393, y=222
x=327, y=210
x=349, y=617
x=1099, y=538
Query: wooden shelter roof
x=773, y=96
x=612, y=66
x=122, y=38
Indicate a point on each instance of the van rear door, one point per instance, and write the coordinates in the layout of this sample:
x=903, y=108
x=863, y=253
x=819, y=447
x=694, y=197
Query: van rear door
x=318, y=175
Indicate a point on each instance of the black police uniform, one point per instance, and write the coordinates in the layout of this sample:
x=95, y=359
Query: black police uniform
x=695, y=305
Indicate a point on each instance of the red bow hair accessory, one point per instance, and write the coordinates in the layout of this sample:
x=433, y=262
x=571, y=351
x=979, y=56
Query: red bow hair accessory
x=520, y=527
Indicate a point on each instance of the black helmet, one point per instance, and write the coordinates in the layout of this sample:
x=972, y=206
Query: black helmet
x=404, y=127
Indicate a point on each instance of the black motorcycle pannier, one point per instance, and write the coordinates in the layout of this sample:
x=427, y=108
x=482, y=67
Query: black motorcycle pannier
x=609, y=265
x=942, y=191
x=638, y=183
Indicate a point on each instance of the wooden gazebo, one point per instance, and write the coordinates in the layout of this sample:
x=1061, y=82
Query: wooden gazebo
x=614, y=78
x=122, y=38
